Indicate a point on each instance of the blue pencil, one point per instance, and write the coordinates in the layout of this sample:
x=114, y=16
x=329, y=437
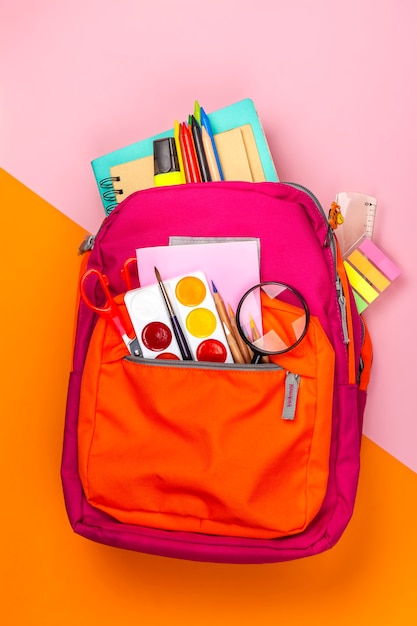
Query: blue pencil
x=206, y=123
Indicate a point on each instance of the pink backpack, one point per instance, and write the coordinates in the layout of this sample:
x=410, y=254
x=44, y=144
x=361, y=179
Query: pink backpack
x=137, y=469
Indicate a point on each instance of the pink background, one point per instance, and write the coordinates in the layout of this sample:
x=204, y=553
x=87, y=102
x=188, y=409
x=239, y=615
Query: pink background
x=333, y=82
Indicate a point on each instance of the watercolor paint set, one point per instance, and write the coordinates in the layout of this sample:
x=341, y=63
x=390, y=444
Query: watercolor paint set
x=178, y=314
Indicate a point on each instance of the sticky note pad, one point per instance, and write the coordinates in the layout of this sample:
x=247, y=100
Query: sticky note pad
x=379, y=259
x=373, y=275
x=360, y=285
x=369, y=271
x=361, y=305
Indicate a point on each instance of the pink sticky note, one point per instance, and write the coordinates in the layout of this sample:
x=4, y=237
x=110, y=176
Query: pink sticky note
x=379, y=259
x=232, y=266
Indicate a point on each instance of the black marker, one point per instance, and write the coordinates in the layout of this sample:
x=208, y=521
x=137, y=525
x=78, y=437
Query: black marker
x=199, y=148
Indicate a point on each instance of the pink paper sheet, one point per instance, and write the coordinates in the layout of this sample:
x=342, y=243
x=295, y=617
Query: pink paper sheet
x=233, y=266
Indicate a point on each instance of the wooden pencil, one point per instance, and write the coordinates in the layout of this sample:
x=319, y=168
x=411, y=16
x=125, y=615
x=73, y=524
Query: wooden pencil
x=256, y=336
x=240, y=342
x=234, y=348
x=221, y=309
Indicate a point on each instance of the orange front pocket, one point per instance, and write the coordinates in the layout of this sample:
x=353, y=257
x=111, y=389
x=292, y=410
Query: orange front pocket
x=204, y=447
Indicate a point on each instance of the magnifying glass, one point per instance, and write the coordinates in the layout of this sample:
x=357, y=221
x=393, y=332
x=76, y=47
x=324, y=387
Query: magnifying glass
x=272, y=318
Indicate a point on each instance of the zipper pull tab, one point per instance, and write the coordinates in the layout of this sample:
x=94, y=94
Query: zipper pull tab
x=86, y=244
x=292, y=384
x=342, y=307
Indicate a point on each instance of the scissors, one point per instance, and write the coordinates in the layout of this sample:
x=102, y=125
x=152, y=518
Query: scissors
x=109, y=310
x=130, y=270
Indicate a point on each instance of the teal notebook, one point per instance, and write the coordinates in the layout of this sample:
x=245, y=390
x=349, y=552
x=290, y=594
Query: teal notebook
x=228, y=118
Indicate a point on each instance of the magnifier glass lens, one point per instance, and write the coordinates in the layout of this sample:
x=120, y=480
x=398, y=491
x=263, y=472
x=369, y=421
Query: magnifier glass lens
x=272, y=318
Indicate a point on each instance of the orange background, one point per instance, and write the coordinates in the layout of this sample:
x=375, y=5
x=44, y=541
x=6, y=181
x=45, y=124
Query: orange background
x=50, y=576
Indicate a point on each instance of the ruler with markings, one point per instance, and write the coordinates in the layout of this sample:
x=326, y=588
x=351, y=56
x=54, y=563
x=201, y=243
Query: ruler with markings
x=359, y=212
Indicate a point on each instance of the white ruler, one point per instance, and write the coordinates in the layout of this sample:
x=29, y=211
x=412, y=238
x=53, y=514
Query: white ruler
x=359, y=212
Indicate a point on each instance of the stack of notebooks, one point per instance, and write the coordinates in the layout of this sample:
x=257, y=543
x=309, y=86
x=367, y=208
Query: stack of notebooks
x=238, y=141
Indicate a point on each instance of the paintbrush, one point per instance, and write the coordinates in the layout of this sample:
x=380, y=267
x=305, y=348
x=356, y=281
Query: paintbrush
x=179, y=335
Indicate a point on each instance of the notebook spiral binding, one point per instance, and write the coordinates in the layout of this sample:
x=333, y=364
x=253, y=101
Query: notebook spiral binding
x=109, y=195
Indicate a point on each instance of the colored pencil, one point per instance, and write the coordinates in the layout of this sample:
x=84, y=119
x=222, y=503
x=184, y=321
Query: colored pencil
x=205, y=123
x=210, y=156
x=240, y=342
x=256, y=336
x=189, y=155
x=197, y=111
x=221, y=309
x=234, y=348
x=199, y=149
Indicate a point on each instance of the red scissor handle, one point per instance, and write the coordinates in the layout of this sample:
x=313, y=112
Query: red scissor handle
x=109, y=310
x=128, y=266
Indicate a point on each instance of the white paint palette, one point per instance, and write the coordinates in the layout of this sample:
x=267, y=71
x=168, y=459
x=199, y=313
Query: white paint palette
x=196, y=313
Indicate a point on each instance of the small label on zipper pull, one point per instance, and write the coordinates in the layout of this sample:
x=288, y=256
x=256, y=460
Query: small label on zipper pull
x=292, y=383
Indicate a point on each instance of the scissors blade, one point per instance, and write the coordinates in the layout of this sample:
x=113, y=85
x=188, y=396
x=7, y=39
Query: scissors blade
x=133, y=346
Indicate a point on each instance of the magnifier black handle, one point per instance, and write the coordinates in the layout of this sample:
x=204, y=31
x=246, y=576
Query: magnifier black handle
x=259, y=358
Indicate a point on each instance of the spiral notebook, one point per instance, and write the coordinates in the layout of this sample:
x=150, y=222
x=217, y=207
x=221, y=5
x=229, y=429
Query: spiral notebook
x=133, y=164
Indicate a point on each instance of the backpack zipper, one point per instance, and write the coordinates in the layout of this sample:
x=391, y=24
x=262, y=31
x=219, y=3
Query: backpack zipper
x=292, y=381
x=87, y=244
x=89, y=240
x=329, y=240
x=343, y=309
x=205, y=365
x=330, y=243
